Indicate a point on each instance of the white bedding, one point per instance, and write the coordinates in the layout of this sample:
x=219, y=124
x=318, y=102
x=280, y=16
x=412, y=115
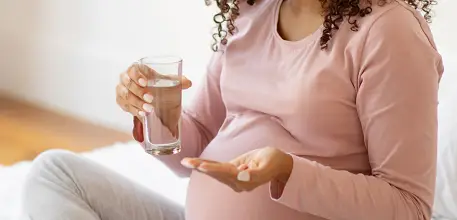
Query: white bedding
x=446, y=184
x=128, y=159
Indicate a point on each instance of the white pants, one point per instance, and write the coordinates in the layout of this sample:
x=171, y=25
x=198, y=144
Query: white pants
x=64, y=186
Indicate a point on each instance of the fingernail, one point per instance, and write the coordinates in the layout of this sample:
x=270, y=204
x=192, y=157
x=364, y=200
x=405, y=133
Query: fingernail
x=142, y=82
x=141, y=113
x=244, y=176
x=147, y=108
x=148, y=98
x=202, y=169
x=186, y=163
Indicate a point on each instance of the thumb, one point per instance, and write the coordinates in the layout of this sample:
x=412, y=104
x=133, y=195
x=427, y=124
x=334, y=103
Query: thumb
x=185, y=82
x=150, y=73
x=137, y=130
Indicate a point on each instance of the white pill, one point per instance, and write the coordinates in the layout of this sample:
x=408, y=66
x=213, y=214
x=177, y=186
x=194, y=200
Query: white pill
x=244, y=176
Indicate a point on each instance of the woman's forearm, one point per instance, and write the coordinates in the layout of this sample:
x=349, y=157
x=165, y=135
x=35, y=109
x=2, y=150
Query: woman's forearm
x=334, y=194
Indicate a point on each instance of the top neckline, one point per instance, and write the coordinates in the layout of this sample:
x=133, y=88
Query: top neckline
x=308, y=39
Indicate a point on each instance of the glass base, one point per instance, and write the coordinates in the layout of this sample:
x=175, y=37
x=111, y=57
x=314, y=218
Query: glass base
x=163, y=149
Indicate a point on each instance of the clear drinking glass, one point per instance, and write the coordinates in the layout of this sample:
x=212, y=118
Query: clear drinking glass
x=162, y=127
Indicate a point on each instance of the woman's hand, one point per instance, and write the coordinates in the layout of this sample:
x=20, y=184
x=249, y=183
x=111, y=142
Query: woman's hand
x=247, y=171
x=131, y=93
x=133, y=96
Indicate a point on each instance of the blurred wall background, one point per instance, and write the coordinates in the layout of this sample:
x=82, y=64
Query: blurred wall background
x=445, y=34
x=67, y=55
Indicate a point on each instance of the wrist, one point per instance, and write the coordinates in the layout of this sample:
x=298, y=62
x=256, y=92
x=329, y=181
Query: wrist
x=287, y=163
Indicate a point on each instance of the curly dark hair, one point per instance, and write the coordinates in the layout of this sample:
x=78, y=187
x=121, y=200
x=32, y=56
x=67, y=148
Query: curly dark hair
x=334, y=11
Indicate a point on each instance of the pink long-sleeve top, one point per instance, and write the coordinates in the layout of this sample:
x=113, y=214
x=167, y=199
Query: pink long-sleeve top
x=360, y=119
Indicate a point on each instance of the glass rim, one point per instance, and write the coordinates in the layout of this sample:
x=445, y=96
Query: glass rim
x=160, y=59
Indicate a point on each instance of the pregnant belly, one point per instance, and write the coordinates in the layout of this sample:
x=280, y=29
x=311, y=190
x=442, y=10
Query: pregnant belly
x=208, y=199
x=243, y=133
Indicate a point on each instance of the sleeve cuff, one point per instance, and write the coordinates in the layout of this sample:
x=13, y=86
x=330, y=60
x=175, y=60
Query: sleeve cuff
x=291, y=194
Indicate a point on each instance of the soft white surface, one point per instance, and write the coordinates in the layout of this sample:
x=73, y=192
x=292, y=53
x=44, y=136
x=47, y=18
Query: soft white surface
x=128, y=159
x=446, y=184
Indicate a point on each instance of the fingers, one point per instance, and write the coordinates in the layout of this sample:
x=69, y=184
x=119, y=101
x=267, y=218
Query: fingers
x=241, y=178
x=243, y=167
x=184, y=81
x=136, y=82
x=133, y=96
x=251, y=171
x=239, y=181
x=197, y=163
x=122, y=94
x=131, y=93
x=227, y=169
x=144, y=72
x=125, y=105
x=134, y=88
x=193, y=163
x=139, y=77
x=215, y=168
x=224, y=172
x=125, y=96
x=132, y=104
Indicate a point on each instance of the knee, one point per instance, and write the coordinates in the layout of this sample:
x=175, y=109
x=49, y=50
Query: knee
x=54, y=157
x=47, y=163
x=48, y=173
x=48, y=169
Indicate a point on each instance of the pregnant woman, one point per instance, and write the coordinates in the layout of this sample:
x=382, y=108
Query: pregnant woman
x=310, y=110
